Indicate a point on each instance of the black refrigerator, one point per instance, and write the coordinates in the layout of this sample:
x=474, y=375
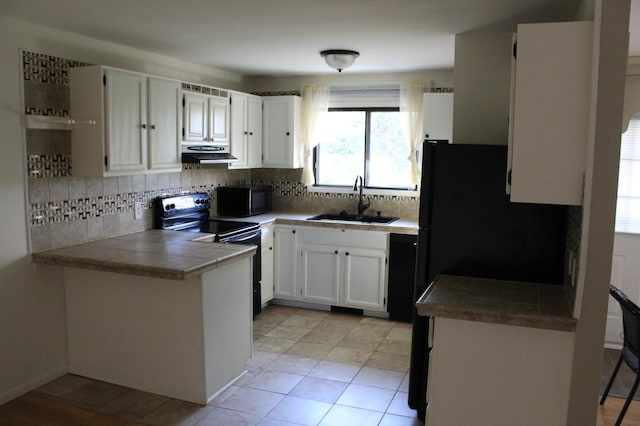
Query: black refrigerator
x=468, y=226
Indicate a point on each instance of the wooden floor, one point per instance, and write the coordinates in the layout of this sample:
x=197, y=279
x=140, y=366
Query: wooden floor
x=608, y=413
x=34, y=409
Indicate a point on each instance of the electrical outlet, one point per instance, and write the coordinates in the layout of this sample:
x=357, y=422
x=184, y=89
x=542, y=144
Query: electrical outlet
x=138, y=207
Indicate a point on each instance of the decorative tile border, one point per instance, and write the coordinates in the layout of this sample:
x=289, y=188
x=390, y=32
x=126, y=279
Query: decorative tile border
x=47, y=69
x=440, y=90
x=88, y=207
x=279, y=93
x=207, y=90
x=47, y=166
x=30, y=110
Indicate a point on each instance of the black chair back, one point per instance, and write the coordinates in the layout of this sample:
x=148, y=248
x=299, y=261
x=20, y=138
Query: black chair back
x=630, y=321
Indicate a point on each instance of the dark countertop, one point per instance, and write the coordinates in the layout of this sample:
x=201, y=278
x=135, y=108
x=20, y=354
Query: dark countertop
x=153, y=253
x=523, y=304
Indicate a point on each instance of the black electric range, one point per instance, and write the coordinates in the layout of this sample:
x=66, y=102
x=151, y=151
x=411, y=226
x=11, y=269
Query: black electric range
x=190, y=213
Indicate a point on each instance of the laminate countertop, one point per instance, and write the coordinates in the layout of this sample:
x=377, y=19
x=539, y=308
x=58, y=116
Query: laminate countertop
x=531, y=305
x=399, y=226
x=153, y=253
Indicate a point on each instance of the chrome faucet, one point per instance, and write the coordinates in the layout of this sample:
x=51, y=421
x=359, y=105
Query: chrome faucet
x=361, y=204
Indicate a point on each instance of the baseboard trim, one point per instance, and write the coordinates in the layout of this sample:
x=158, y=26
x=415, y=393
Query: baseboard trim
x=32, y=384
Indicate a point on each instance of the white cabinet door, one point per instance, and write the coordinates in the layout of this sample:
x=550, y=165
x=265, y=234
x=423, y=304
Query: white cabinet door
x=196, y=111
x=550, y=113
x=254, y=128
x=246, y=131
x=206, y=118
x=364, y=279
x=266, y=283
x=164, y=124
x=137, y=122
x=239, y=130
x=126, y=119
x=285, y=257
x=319, y=274
x=438, y=116
x=281, y=116
x=218, y=119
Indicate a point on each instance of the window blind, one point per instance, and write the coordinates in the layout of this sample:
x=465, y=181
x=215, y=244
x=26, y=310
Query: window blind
x=628, y=203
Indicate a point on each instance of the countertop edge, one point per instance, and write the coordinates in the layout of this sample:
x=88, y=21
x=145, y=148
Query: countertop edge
x=400, y=226
x=486, y=312
x=58, y=257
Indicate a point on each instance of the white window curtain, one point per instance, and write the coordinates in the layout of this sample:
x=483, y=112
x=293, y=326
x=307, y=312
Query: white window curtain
x=411, y=104
x=315, y=101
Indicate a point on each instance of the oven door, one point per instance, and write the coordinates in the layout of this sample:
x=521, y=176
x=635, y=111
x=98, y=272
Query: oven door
x=251, y=238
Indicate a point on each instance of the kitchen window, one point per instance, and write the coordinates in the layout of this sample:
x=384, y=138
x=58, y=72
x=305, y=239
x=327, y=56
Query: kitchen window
x=628, y=205
x=367, y=142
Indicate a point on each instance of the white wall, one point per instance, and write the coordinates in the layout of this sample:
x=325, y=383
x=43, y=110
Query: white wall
x=32, y=308
x=437, y=78
x=482, y=77
x=601, y=178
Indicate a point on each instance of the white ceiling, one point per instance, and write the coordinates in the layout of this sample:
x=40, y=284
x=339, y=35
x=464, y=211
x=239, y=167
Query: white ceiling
x=284, y=37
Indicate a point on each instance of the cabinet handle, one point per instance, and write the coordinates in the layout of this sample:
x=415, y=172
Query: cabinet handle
x=287, y=133
x=205, y=139
x=144, y=126
x=153, y=127
x=246, y=133
x=250, y=133
x=346, y=254
x=293, y=231
x=336, y=252
x=270, y=248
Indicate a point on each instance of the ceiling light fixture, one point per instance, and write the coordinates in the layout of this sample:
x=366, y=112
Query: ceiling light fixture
x=339, y=59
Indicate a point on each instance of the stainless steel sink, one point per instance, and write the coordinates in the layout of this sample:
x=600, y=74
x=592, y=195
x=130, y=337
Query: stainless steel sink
x=354, y=218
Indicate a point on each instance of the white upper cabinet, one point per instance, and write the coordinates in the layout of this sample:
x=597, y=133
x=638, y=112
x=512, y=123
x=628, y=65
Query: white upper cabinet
x=246, y=130
x=164, y=124
x=136, y=120
x=126, y=121
x=281, y=132
x=438, y=116
x=548, y=128
x=206, y=118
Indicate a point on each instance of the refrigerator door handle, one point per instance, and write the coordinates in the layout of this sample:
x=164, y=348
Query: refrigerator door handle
x=430, y=333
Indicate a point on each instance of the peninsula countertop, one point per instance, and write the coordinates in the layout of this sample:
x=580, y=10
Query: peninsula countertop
x=532, y=305
x=152, y=253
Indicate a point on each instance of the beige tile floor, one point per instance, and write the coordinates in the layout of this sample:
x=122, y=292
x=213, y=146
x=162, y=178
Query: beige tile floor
x=309, y=368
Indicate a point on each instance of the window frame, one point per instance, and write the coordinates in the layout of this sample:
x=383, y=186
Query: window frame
x=624, y=222
x=371, y=190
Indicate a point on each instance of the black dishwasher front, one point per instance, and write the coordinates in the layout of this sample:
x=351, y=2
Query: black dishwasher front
x=402, y=269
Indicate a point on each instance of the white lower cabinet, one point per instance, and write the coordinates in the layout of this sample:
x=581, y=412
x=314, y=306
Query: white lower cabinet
x=364, y=279
x=319, y=274
x=266, y=264
x=284, y=262
x=331, y=266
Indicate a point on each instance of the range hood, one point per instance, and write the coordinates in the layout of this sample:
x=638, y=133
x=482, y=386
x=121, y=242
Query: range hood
x=207, y=154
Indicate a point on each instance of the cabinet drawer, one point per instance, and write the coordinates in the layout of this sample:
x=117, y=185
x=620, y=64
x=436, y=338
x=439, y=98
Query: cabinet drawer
x=340, y=237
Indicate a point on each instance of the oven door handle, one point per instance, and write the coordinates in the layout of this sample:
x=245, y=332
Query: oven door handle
x=242, y=237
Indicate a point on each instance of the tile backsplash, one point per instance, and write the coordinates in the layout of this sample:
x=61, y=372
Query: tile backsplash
x=68, y=210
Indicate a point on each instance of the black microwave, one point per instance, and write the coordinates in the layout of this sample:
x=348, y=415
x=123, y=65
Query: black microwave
x=240, y=201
